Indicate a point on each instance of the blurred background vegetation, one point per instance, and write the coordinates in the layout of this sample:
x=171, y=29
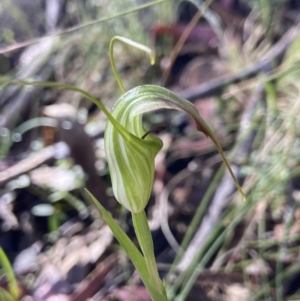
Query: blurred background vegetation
x=238, y=61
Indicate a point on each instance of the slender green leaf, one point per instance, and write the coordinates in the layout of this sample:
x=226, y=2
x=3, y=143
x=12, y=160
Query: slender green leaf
x=133, y=253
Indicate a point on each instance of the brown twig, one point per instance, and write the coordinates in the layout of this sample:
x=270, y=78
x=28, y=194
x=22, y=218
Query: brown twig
x=183, y=38
x=89, y=287
x=266, y=63
x=34, y=160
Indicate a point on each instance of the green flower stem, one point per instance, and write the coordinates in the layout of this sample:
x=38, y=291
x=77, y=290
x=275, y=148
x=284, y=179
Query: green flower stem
x=133, y=44
x=156, y=293
x=143, y=234
x=8, y=81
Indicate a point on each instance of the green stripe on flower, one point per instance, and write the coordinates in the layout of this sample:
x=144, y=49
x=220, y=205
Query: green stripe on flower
x=131, y=158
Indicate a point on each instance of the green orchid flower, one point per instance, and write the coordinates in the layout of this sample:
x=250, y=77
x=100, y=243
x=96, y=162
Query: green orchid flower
x=131, y=152
x=130, y=155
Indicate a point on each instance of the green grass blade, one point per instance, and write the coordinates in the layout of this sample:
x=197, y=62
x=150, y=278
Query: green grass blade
x=81, y=26
x=6, y=296
x=7, y=268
